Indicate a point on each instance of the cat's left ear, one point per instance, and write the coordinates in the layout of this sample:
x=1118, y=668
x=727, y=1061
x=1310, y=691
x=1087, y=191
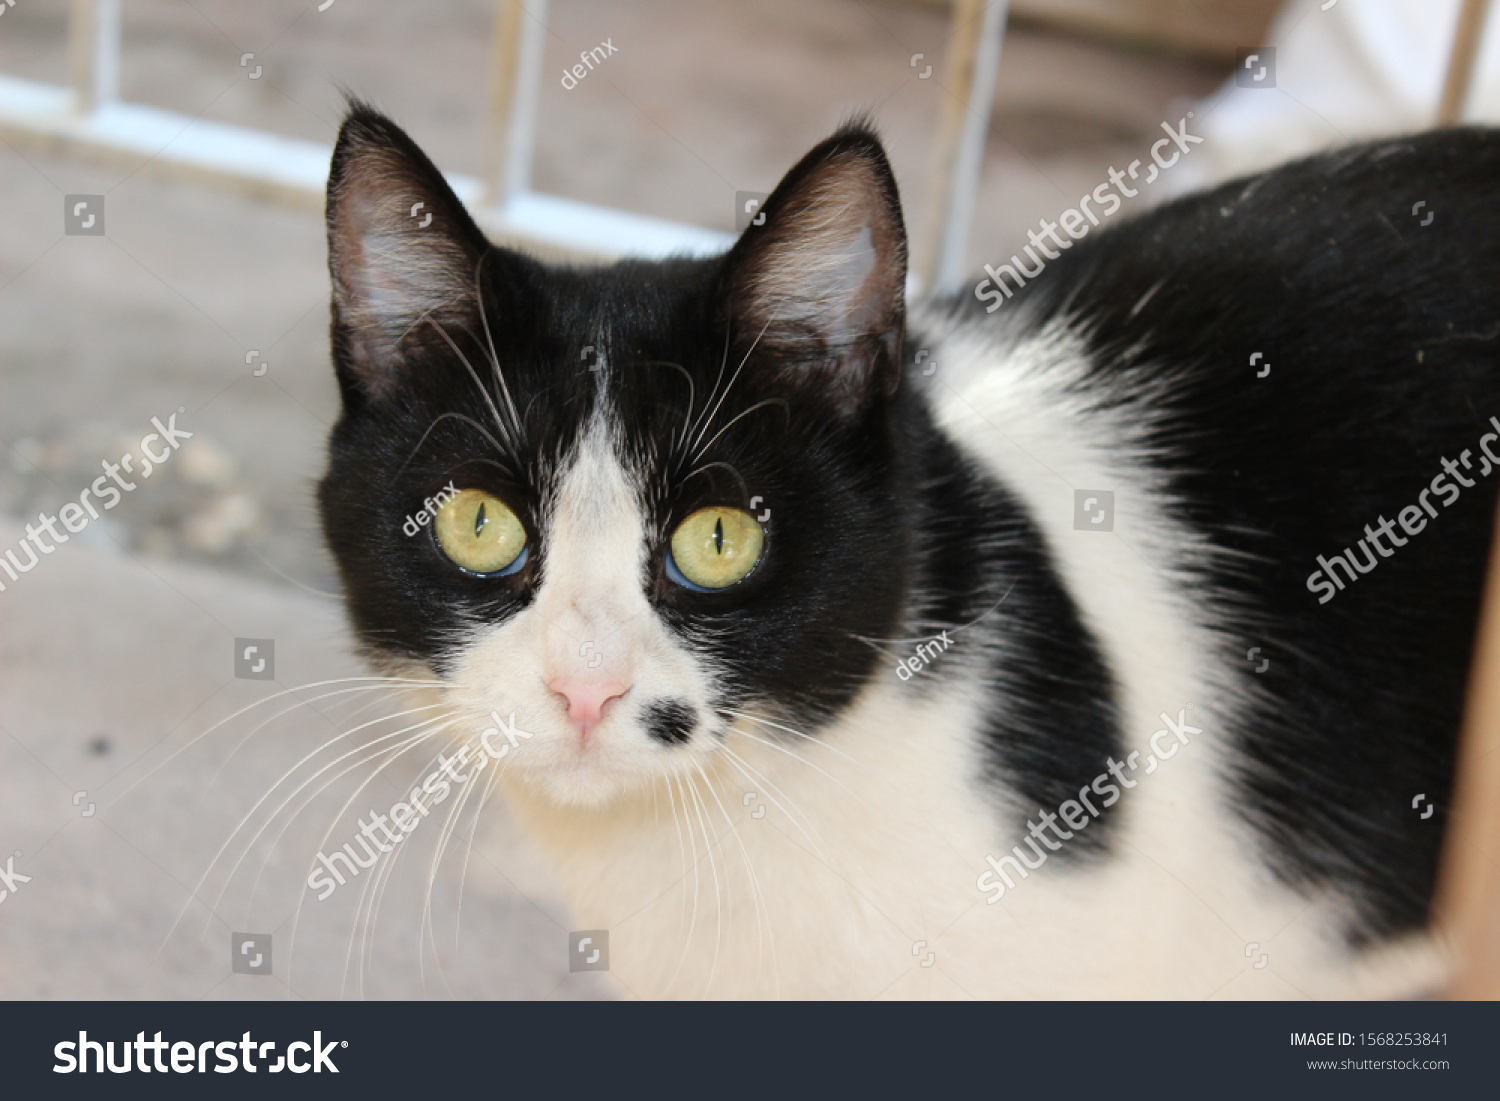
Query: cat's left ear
x=402, y=251
x=820, y=283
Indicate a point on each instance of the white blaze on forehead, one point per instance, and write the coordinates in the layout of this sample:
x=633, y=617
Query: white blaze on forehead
x=597, y=504
x=592, y=586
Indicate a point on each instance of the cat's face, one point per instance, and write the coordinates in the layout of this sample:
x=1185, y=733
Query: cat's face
x=628, y=504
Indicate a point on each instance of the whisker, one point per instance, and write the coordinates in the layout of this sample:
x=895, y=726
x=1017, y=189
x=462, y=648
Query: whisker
x=484, y=393
x=715, y=412
x=280, y=714
x=795, y=733
x=713, y=867
x=484, y=319
x=385, y=860
x=250, y=845
x=687, y=944
x=757, y=897
x=719, y=376
x=368, y=953
x=193, y=895
x=323, y=841
x=463, y=878
x=426, y=926
x=758, y=405
x=677, y=440
x=291, y=771
x=682, y=853
x=481, y=429
x=756, y=780
x=380, y=683
x=297, y=813
x=744, y=486
x=805, y=761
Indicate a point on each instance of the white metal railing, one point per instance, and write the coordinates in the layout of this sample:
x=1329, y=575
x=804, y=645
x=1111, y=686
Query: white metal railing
x=88, y=117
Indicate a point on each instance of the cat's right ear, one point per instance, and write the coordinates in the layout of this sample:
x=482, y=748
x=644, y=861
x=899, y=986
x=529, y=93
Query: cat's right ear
x=820, y=283
x=402, y=250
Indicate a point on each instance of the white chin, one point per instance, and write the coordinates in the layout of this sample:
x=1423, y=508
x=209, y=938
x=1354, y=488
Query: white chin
x=583, y=785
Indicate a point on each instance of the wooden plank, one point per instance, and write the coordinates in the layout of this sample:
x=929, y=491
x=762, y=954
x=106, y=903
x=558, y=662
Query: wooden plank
x=1468, y=903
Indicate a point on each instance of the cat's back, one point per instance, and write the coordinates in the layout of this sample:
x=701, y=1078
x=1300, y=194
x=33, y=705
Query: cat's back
x=1249, y=388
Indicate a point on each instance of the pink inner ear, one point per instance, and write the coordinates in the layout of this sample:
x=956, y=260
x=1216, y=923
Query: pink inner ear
x=381, y=287
x=400, y=244
x=823, y=282
x=829, y=267
x=391, y=270
x=855, y=283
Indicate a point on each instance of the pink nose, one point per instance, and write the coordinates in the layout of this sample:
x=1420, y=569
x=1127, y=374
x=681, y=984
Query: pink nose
x=586, y=699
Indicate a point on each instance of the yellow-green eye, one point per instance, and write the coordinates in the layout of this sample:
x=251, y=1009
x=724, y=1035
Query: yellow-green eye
x=713, y=548
x=480, y=533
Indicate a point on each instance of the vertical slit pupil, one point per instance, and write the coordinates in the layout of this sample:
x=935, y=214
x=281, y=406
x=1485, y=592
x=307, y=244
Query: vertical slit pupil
x=479, y=520
x=719, y=535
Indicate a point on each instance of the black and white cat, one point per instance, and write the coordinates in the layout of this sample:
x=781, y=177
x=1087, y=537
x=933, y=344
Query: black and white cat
x=1058, y=650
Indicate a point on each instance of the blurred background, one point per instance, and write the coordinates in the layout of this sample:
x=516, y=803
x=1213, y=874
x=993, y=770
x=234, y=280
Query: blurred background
x=206, y=296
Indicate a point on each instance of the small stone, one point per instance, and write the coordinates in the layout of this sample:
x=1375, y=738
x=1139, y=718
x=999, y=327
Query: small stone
x=204, y=463
x=216, y=528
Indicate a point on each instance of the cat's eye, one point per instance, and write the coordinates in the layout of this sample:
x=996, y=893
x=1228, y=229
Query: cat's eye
x=480, y=533
x=714, y=548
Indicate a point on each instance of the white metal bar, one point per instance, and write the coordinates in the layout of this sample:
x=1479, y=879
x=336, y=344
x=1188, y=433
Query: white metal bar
x=296, y=172
x=520, y=35
x=958, y=159
x=529, y=85
x=107, y=51
x=1460, y=76
x=88, y=118
x=94, y=53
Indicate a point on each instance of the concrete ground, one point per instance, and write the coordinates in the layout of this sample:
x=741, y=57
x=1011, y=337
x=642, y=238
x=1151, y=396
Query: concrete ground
x=129, y=759
x=117, y=651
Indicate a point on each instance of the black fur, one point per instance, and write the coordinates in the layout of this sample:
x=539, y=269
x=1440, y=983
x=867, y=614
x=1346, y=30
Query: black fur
x=670, y=721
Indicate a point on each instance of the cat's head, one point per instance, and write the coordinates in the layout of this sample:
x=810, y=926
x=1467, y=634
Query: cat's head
x=627, y=503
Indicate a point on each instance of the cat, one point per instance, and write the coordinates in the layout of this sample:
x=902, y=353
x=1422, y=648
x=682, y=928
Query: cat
x=1086, y=647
